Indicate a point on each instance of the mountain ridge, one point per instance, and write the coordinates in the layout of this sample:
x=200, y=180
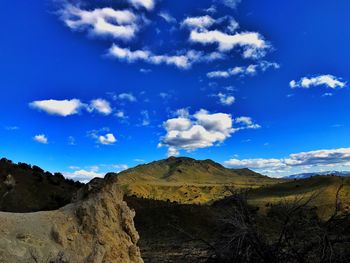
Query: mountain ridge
x=188, y=180
x=325, y=173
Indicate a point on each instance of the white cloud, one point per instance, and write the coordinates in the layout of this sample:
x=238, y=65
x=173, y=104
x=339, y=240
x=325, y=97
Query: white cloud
x=183, y=61
x=327, y=94
x=107, y=139
x=121, y=114
x=145, y=70
x=41, y=138
x=58, y=107
x=126, y=96
x=243, y=71
x=182, y=113
x=232, y=26
x=225, y=99
x=329, y=81
x=167, y=17
x=11, y=128
x=147, y=4
x=201, y=130
x=172, y=151
x=101, y=106
x=230, y=3
x=119, y=24
x=253, y=44
x=199, y=22
x=255, y=163
x=318, y=158
x=71, y=140
x=83, y=175
x=145, y=118
x=245, y=123
x=164, y=95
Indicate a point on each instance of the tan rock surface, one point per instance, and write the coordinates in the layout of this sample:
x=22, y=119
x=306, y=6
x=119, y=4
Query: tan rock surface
x=97, y=227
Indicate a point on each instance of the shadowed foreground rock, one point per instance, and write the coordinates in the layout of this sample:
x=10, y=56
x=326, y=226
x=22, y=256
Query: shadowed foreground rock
x=97, y=227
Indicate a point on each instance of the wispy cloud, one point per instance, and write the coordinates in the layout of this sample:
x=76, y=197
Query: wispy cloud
x=225, y=99
x=126, y=96
x=167, y=17
x=182, y=60
x=100, y=105
x=328, y=81
x=199, y=22
x=230, y=3
x=251, y=70
x=318, y=158
x=253, y=44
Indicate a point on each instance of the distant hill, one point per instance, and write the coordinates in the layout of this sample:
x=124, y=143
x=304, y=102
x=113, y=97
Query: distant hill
x=307, y=175
x=187, y=180
x=26, y=188
x=324, y=187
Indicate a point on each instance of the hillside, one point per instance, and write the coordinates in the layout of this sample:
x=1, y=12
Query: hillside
x=187, y=180
x=26, y=188
x=323, y=187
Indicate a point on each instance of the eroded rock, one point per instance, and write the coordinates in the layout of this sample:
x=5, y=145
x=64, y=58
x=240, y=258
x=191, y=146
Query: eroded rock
x=96, y=228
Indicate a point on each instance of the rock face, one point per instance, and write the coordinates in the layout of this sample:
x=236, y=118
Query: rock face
x=97, y=227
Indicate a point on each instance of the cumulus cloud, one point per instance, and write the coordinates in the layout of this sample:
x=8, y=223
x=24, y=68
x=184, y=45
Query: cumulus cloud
x=107, y=139
x=201, y=130
x=252, y=43
x=243, y=71
x=244, y=122
x=58, y=107
x=318, y=158
x=225, y=99
x=119, y=24
x=329, y=81
x=102, y=136
x=199, y=22
x=101, y=106
x=41, y=138
x=183, y=60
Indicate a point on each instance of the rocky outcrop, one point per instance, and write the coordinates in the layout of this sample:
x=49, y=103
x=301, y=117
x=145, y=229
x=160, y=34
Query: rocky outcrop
x=97, y=227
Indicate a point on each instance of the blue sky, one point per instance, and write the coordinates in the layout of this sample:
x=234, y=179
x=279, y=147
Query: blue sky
x=96, y=86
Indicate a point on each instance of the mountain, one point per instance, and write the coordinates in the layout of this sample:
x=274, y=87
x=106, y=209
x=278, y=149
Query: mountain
x=307, y=175
x=26, y=188
x=187, y=180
